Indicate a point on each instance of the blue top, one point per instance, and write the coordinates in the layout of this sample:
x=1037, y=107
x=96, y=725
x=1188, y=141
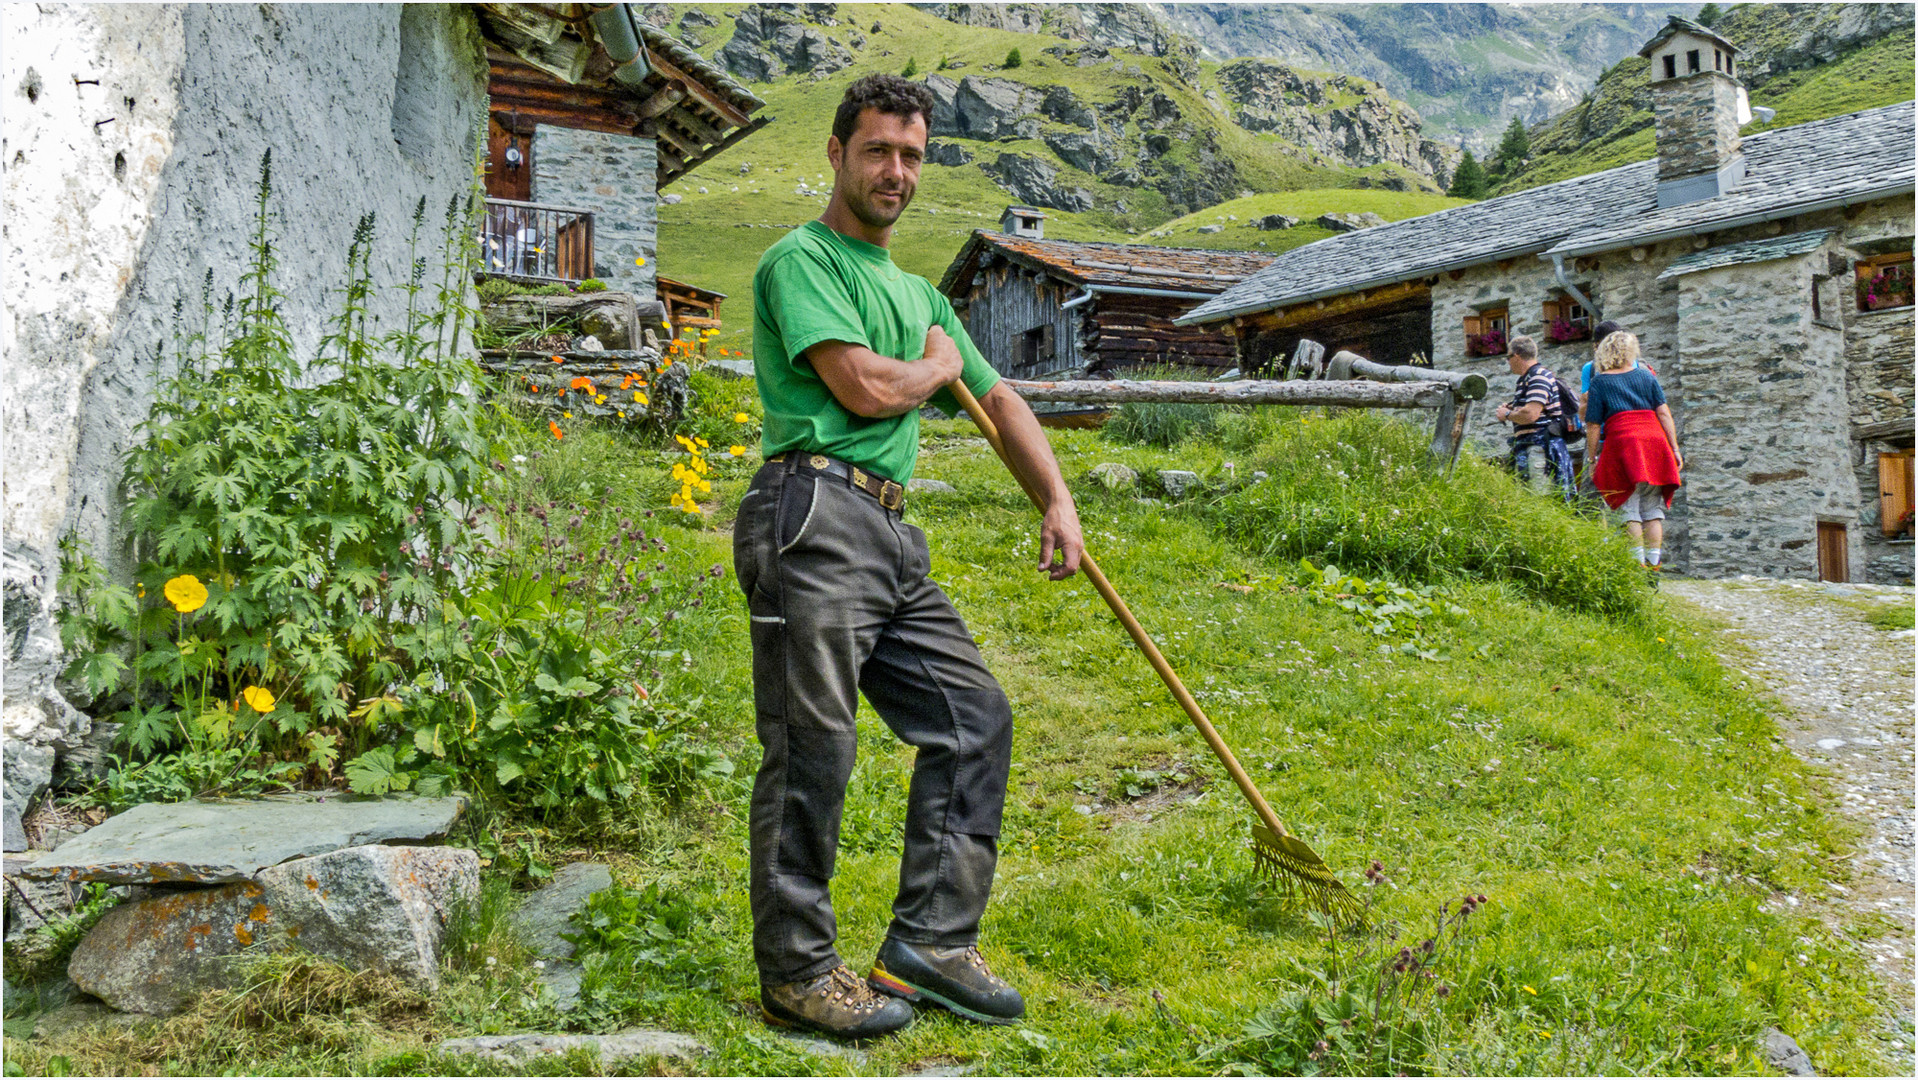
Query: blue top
x=1614, y=392
x=1585, y=379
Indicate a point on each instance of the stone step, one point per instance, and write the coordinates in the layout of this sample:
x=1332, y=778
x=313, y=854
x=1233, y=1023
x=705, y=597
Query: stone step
x=215, y=843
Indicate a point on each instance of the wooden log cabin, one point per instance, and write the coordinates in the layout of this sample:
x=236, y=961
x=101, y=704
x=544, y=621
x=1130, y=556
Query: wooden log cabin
x=1041, y=308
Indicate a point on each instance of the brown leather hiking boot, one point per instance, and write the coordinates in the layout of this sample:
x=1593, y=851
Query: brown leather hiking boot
x=838, y=1003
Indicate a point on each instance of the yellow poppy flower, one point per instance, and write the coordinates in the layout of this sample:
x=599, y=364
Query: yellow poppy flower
x=259, y=697
x=186, y=594
x=639, y=397
x=740, y=418
x=735, y=450
x=639, y=261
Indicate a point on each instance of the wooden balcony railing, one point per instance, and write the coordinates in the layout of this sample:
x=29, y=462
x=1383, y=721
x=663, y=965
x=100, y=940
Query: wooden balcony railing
x=536, y=241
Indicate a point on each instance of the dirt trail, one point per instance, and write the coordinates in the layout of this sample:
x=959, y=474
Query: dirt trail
x=1848, y=686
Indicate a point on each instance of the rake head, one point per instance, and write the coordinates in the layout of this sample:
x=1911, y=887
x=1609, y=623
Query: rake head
x=1301, y=875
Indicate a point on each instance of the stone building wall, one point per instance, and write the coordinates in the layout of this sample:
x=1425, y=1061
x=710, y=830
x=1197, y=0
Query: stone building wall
x=613, y=176
x=1879, y=367
x=1766, y=435
x=122, y=195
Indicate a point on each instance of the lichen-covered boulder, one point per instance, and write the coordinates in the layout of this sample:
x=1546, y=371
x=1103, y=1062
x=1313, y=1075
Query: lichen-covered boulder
x=372, y=908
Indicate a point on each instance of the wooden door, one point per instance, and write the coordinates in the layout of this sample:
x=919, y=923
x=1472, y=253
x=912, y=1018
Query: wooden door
x=1833, y=564
x=503, y=179
x=1894, y=490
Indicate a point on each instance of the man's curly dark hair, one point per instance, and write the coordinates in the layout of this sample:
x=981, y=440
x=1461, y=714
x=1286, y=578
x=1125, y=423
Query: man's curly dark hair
x=890, y=94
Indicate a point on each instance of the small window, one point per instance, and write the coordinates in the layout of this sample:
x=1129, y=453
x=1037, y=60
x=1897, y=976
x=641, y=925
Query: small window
x=1718, y=60
x=1566, y=320
x=1035, y=349
x=1691, y=62
x=1671, y=65
x=1488, y=332
x=1730, y=65
x=1885, y=281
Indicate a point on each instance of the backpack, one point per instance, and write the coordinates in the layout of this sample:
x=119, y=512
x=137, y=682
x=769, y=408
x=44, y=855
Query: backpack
x=1569, y=427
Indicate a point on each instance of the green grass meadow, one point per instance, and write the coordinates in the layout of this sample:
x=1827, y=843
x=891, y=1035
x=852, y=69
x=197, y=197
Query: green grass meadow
x=1574, y=753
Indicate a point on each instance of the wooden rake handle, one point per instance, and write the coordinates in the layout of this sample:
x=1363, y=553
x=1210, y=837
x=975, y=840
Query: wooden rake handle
x=1139, y=637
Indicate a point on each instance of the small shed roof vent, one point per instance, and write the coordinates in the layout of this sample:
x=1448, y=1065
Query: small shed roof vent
x=1023, y=221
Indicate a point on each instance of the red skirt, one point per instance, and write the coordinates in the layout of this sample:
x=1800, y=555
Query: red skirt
x=1633, y=451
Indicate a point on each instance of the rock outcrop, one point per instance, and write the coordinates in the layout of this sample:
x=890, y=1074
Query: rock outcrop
x=1348, y=222
x=1035, y=182
x=986, y=109
x=1345, y=120
x=768, y=42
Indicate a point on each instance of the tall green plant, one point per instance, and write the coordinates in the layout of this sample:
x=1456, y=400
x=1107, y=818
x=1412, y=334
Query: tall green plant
x=325, y=522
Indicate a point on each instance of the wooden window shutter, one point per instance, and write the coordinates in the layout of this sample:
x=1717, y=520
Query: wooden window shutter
x=1046, y=350
x=1474, y=325
x=1894, y=490
x=1554, y=311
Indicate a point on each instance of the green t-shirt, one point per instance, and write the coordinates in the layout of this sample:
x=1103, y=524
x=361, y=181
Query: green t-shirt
x=818, y=285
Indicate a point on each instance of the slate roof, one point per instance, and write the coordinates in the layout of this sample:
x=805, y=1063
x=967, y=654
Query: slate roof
x=1852, y=158
x=1751, y=251
x=1194, y=270
x=1679, y=24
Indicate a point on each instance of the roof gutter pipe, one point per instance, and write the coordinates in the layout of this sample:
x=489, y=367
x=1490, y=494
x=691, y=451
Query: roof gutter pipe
x=1558, y=271
x=1128, y=290
x=616, y=30
x=1756, y=217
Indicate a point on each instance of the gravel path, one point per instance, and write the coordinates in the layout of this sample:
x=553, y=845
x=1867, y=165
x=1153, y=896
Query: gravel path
x=1848, y=687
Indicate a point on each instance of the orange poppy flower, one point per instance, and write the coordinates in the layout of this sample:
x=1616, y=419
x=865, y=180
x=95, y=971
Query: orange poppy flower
x=554, y=426
x=582, y=383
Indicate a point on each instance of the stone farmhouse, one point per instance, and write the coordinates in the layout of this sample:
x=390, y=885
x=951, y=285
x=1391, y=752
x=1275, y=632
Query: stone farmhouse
x=1040, y=308
x=1768, y=277
x=134, y=141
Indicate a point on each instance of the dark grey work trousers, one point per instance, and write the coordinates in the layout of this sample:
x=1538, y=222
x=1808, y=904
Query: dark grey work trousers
x=841, y=603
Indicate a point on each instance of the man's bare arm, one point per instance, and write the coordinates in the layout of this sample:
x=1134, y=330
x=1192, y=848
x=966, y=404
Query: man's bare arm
x=875, y=386
x=1031, y=455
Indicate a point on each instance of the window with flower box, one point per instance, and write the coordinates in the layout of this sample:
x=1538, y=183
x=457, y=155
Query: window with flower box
x=1488, y=332
x=1885, y=281
x=1565, y=319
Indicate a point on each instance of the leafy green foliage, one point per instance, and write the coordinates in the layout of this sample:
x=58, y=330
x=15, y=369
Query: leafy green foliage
x=1013, y=60
x=911, y=68
x=1384, y=607
x=1709, y=14
x=640, y=946
x=324, y=524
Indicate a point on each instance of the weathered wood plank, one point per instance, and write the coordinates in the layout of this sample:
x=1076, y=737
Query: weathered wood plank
x=1351, y=394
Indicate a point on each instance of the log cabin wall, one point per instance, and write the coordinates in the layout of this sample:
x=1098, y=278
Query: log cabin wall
x=1126, y=333
x=1014, y=317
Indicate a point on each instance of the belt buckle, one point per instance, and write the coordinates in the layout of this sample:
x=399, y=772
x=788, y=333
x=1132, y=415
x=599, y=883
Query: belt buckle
x=892, y=495
x=819, y=461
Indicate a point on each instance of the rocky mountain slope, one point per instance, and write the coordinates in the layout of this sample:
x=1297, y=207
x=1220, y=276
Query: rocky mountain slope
x=1807, y=61
x=1109, y=107
x=1466, y=68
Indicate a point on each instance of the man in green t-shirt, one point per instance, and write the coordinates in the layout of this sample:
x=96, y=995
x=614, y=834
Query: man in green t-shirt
x=846, y=348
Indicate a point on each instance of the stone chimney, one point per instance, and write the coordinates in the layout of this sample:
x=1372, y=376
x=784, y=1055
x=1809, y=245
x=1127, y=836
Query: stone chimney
x=1023, y=221
x=1700, y=106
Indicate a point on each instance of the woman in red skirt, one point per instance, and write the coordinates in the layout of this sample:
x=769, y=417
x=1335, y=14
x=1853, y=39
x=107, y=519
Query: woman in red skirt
x=1635, y=444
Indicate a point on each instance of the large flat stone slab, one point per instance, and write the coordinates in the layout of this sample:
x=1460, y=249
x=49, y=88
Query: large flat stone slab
x=612, y=1049
x=214, y=843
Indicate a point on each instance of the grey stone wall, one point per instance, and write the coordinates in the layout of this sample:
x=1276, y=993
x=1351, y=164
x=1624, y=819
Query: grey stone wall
x=1766, y=435
x=1878, y=366
x=613, y=176
x=1697, y=123
x=112, y=223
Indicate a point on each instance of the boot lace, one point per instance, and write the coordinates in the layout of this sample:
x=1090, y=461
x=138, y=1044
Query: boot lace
x=844, y=987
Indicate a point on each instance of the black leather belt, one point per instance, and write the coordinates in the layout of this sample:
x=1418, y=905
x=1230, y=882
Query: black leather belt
x=891, y=495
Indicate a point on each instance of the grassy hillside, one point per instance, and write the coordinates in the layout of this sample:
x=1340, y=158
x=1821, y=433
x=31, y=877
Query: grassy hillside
x=1236, y=217
x=1614, y=125
x=714, y=237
